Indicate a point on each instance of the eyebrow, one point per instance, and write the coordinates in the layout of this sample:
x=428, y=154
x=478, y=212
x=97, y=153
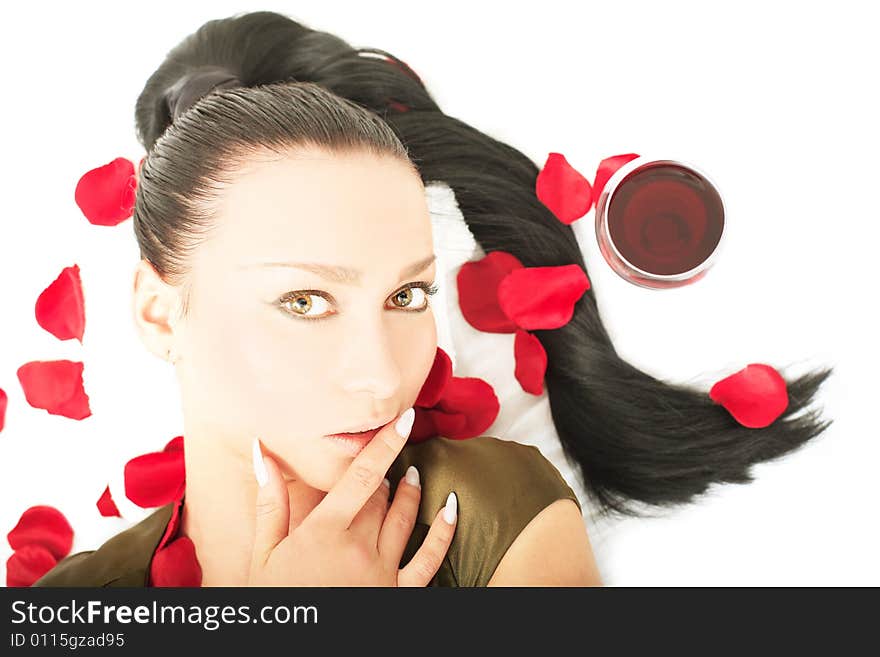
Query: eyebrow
x=344, y=275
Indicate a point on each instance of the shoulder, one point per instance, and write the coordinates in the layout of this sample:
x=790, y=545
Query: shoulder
x=553, y=550
x=501, y=486
x=122, y=560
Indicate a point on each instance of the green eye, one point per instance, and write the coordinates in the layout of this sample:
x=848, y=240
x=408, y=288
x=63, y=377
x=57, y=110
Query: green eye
x=301, y=302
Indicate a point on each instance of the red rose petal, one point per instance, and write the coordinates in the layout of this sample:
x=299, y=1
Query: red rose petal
x=174, y=523
x=42, y=525
x=455, y=407
x=449, y=425
x=563, y=189
x=106, y=194
x=106, y=505
x=423, y=426
x=606, y=169
x=4, y=400
x=431, y=422
x=176, y=565
x=755, y=396
x=478, y=291
x=174, y=445
x=531, y=362
x=542, y=297
x=55, y=386
x=59, y=308
x=153, y=479
x=28, y=564
x=472, y=397
x=440, y=373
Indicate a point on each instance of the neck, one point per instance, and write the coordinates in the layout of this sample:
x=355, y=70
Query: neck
x=219, y=508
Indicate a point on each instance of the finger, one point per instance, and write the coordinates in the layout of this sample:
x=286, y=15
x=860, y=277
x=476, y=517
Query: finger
x=429, y=557
x=272, y=506
x=364, y=475
x=401, y=517
x=368, y=521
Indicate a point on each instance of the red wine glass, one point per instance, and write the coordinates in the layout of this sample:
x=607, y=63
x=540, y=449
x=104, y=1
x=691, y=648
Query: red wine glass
x=660, y=222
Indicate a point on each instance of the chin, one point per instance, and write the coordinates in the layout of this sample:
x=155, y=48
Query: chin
x=325, y=474
x=320, y=468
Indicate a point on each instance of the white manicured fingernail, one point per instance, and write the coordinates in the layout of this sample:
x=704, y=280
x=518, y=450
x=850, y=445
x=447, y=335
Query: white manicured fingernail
x=386, y=482
x=405, y=422
x=412, y=476
x=451, y=508
x=260, y=471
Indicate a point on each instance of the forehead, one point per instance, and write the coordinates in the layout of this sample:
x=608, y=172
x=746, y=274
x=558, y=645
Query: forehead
x=341, y=209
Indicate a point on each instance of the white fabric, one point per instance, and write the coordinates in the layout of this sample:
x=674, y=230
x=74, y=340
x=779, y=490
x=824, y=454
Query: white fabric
x=523, y=418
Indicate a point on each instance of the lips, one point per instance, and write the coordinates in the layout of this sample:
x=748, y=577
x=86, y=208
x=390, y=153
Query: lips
x=362, y=430
x=357, y=431
x=353, y=443
x=363, y=435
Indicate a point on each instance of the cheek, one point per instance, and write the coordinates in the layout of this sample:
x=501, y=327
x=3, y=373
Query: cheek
x=426, y=341
x=252, y=375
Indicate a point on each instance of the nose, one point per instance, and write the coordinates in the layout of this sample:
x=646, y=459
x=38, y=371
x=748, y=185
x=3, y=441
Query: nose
x=369, y=365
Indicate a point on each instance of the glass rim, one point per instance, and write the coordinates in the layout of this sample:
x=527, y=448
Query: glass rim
x=604, y=202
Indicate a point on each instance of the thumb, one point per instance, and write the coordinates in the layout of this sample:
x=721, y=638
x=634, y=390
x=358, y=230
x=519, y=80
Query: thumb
x=272, y=506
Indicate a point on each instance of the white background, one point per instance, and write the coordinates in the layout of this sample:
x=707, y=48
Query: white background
x=772, y=100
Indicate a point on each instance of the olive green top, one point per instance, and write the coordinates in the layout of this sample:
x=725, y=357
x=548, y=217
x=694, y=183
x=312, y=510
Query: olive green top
x=501, y=485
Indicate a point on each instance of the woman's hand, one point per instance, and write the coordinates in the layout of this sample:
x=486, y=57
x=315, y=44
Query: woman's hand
x=352, y=537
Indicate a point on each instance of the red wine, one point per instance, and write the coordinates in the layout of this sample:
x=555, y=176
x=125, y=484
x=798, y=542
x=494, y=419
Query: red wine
x=663, y=218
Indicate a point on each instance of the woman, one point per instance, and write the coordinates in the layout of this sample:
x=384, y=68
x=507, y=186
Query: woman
x=287, y=265
x=223, y=187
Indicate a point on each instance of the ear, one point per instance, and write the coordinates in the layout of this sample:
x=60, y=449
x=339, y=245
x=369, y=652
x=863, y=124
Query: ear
x=155, y=305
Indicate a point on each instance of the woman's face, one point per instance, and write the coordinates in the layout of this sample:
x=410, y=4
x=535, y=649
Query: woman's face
x=291, y=354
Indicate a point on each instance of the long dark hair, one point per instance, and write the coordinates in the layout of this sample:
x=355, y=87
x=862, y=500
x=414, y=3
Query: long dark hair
x=258, y=83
